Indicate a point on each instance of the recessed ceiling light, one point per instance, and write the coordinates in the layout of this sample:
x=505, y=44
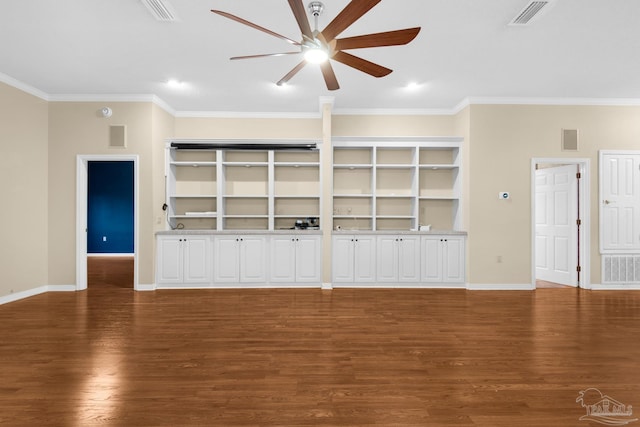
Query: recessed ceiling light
x=413, y=86
x=175, y=84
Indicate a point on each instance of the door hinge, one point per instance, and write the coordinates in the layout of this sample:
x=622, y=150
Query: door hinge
x=579, y=222
x=578, y=269
x=578, y=175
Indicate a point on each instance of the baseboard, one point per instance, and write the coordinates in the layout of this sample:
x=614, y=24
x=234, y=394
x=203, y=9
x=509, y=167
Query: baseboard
x=327, y=286
x=374, y=285
x=615, y=287
x=23, y=294
x=145, y=287
x=61, y=288
x=500, y=287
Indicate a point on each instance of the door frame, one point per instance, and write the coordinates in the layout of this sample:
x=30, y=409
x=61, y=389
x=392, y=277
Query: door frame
x=584, y=211
x=82, y=189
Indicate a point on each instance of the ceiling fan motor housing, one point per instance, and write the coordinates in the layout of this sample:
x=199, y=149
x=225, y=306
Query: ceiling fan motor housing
x=316, y=8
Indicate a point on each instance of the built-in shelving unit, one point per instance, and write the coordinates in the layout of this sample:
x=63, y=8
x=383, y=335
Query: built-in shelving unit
x=236, y=189
x=396, y=183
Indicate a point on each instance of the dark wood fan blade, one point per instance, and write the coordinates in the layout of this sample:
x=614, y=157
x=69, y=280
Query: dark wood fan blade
x=350, y=14
x=264, y=55
x=255, y=26
x=361, y=64
x=297, y=7
x=329, y=76
x=388, y=38
x=292, y=73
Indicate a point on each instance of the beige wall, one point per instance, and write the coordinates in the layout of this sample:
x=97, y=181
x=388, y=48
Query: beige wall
x=23, y=150
x=77, y=128
x=503, y=140
x=45, y=138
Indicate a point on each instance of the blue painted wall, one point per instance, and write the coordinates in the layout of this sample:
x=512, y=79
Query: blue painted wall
x=110, y=207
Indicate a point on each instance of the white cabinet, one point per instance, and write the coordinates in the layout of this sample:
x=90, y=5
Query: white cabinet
x=184, y=259
x=354, y=258
x=398, y=258
x=240, y=259
x=295, y=259
x=443, y=259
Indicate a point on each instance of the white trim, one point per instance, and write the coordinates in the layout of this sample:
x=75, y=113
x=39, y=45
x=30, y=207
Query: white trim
x=501, y=287
x=584, y=214
x=98, y=255
x=82, y=162
x=554, y=101
x=393, y=112
x=23, y=294
x=327, y=286
x=614, y=287
x=247, y=115
x=146, y=287
x=23, y=87
x=375, y=285
x=61, y=288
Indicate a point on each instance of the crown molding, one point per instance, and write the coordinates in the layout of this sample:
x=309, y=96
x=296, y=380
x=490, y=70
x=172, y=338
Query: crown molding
x=464, y=103
x=23, y=87
x=246, y=115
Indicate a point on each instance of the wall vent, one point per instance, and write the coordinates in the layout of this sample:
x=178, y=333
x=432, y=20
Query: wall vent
x=621, y=269
x=532, y=11
x=160, y=9
x=569, y=139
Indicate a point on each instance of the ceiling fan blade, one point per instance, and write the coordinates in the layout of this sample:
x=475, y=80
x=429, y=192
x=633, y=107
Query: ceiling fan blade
x=264, y=55
x=292, y=73
x=361, y=64
x=329, y=76
x=297, y=7
x=255, y=26
x=388, y=38
x=350, y=14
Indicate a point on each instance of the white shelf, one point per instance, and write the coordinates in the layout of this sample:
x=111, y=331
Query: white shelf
x=411, y=181
x=236, y=189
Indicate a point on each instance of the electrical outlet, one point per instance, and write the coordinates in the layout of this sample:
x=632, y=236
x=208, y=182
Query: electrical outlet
x=104, y=238
x=499, y=259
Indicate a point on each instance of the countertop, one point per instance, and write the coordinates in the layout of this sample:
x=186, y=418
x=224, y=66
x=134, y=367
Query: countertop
x=309, y=232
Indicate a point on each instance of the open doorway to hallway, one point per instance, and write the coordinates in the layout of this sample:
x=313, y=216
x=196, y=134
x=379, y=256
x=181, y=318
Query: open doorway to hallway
x=560, y=222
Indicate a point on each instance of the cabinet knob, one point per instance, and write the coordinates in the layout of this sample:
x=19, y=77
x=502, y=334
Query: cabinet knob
x=356, y=240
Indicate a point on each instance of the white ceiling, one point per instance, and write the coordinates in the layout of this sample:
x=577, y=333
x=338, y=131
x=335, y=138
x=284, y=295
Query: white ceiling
x=580, y=51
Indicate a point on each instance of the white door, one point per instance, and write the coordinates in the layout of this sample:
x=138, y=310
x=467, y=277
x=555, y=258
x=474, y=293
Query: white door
x=308, y=257
x=253, y=259
x=409, y=259
x=556, y=225
x=453, y=259
x=342, y=264
x=197, y=260
x=283, y=259
x=431, y=259
x=226, y=260
x=387, y=258
x=620, y=198
x=170, y=260
x=364, y=259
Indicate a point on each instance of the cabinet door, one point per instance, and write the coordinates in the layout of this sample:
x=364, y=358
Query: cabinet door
x=387, y=259
x=169, y=268
x=342, y=259
x=253, y=259
x=283, y=259
x=431, y=255
x=364, y=259
x=197, y=259
x=453, y=259
x=226, y=266
x=408, y=259
x=308, y=256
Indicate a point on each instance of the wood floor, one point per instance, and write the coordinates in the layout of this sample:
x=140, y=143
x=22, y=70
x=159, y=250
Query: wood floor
x=110, y=356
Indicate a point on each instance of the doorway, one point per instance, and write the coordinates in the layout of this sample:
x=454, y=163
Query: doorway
x=82, y=222
x=560, y=222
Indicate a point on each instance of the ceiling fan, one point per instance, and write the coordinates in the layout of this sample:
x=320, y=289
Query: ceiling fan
x=319, y=46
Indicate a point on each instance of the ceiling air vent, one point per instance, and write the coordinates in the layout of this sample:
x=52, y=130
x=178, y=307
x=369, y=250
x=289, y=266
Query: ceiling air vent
x=160, y=9
x=532, y=11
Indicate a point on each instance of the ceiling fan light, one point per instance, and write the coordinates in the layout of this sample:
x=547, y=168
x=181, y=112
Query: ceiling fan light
x=316, y=55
